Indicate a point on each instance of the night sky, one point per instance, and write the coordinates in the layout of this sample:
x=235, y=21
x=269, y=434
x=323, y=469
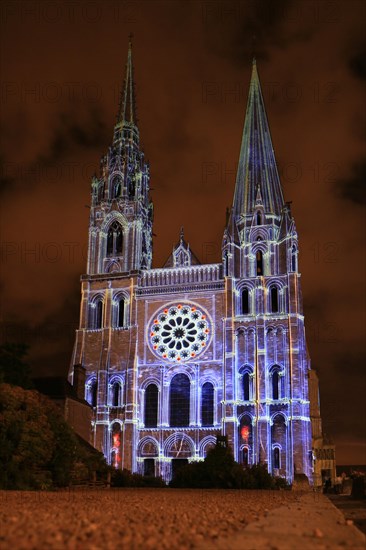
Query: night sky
x=62, y=66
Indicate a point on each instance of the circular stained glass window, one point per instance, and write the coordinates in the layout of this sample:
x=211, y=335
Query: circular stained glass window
x=179, y=333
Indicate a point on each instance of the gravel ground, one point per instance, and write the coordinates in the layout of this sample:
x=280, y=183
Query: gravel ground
x=353, y=509
x=130, y=518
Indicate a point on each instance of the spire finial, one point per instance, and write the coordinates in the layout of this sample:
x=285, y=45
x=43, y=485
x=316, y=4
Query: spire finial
x=181, y=234
x=254, y=40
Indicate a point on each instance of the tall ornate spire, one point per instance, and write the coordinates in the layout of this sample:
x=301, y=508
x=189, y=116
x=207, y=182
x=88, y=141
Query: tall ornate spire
x=127, y=109
x=257, y=163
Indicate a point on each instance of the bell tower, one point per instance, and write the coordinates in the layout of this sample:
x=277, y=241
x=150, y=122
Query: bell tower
x=260, y=266
x=120, y=229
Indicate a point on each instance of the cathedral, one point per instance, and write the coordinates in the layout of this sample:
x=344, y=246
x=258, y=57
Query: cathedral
x=173, y=356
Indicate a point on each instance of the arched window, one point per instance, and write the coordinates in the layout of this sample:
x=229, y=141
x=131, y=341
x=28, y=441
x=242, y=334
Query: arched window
x=121, y=313
x=259, y=218
x=114, y=240
x=275, y=384
x=245, y=457
x=116, y=394
x=259, y=262
x=274, y=299
x=100, y=192
x=246, y=436
x=98, y=314
x=207, y=404
x=119, y=240
x=246, y=386
x=179, y=400
x=151, y=406
x=116, y=445
x=116, y=188
x=245, y=301
x=226, y=264
x=293, y=258
x=92, y=392
x=279, y=444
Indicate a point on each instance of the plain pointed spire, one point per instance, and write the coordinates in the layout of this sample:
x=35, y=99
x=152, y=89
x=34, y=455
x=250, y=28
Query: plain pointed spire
x=257, y=164
x=127, y=109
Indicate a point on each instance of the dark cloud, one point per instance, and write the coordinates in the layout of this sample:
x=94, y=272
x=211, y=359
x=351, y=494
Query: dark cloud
x=357, y=64
x=6, y=180
x=353, y=188
x=50, y=341
x=71, y=134
x=248, y=29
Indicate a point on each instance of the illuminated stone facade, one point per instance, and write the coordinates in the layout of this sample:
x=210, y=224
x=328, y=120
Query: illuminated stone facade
x=177, y=354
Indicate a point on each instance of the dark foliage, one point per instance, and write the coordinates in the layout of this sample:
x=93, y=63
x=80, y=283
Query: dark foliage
x=13, y=369
x=124, y=478
x=38, y=449
x=219, y=470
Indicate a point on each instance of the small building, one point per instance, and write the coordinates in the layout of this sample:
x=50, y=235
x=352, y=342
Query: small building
x=323, y=448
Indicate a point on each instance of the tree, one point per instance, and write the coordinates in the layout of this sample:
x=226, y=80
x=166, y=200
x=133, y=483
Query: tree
x=38, y=449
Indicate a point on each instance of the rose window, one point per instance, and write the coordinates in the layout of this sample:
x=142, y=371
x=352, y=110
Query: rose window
x=179, y=333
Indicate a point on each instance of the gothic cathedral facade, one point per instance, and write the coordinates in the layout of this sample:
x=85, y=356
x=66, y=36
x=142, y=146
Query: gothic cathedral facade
x=175, y=355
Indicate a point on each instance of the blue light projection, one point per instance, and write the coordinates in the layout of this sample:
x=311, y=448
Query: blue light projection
x=197, y=349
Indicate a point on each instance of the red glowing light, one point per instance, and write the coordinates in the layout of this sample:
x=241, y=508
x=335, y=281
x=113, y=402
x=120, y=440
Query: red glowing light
x=179, y=306
x=164, y=355
x=116, y=440
x=165, y=311
x=245, y=433
x=178, y=358
x=203, y=317
x=156, y=321
x=207, y=331
x=155, y=347
x=203, y=344
x=193, y=309
x=192, y=354
x=152, y=333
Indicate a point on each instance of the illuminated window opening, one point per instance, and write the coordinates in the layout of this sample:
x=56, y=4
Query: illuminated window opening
x=151, y=406
x=245, y=457
x=245, y=301
x=245, y=437
x=116, y=394
x=99, y=314
x=179, y=400
x=207, y=404
x=114, y=240
x=116, y=188
x=259, y=262
x=275, y=384
x=294, y=259
x=276, y=458
x=274, y=299
x=246, y=386
x=121, y=313
x=92, y=392
x=226, y=264
x=116, y=445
